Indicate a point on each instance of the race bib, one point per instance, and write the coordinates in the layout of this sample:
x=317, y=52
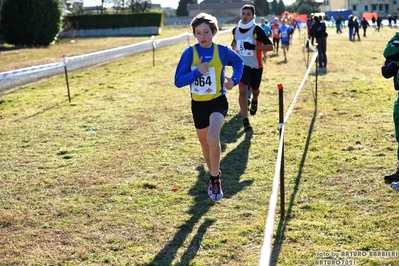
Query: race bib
x=241, y=50
x=206, y=84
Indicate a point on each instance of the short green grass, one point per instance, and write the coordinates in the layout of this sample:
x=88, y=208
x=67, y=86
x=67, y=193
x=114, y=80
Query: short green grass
x=116, y=177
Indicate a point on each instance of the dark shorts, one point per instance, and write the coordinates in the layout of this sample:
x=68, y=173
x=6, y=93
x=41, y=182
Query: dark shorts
x=252, y=77
x=203, y=110
x=286, y=43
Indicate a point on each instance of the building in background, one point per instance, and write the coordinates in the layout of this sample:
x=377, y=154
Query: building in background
x=381, y=7
x=329, y=5
x=73, y=4
x=337, y=4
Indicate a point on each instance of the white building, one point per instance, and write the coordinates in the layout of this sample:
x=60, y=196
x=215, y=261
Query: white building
x=72, y=4
x=382, y=7
x=329, y=5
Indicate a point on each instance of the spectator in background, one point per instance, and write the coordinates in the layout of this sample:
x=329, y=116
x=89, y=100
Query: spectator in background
x=298, y=25
x=319, y=31
x=364, y=24
x=338, y=24
x=309, y=24
x=332, y=21
x=379, y=20
x=350, y=26
x=356, y=27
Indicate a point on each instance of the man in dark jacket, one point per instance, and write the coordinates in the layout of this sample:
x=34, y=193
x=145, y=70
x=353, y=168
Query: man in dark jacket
x=319, y=32
x=338, y=23
x=309, y=24
x=364, y=24
x=379, y=20
x=350, y=26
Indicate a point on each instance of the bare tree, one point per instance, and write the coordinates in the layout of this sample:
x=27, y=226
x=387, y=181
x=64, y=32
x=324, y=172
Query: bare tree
x=139, y=5
x=102, y=8
x=119, y=5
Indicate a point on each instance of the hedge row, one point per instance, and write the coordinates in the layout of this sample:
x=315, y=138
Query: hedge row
x=114, y=21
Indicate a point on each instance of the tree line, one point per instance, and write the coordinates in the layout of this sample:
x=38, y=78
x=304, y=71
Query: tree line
x=37, y=22
x=264, y=7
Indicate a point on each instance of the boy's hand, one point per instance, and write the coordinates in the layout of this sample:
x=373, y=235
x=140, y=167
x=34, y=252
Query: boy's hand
x=249, y=46
x=202, y=67
x=229, y=84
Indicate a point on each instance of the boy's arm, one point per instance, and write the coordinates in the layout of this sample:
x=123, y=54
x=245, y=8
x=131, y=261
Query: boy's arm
x=237, y=65
x=229, y=57
x=389, y=69
x=234, y=42
x=184, y=75
x=261, y=37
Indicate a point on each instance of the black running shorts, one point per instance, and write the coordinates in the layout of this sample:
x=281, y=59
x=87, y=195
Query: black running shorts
x=252, y=77
x=203, y=110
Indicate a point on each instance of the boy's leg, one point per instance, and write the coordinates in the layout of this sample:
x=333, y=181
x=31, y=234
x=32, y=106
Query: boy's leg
x=394, y=177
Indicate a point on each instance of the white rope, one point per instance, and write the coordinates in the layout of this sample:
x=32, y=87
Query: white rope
x=268, y=235
x=29, y=70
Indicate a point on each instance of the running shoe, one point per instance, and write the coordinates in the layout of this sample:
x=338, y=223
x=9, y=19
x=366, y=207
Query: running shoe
x=253, y=108
x=210, y=184
x=247, y=125
x=394, y=177
x=395, y=185
x=215, y=188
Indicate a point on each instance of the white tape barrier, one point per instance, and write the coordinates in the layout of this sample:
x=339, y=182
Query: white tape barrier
x=268, y=235
x=14, y=78
x=265, y=255
x=29, y=70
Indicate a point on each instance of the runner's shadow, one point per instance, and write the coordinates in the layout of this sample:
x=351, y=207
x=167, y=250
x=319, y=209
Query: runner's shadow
x=233, y=166
x=282, y=62
x=37, y=113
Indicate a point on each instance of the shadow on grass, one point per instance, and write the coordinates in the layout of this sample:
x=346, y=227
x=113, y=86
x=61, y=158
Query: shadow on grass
x=38, y=113
x=8, y=48
x=233, y=165
x=5, y=47
x=282, y=226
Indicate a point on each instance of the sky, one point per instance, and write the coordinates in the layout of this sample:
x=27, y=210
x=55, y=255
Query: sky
x=175, y=3
x=164, y=3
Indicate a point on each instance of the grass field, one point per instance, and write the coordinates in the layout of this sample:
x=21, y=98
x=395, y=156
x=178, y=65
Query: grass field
x=116, y=177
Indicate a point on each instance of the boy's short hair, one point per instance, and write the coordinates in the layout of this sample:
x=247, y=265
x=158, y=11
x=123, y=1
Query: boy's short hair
x=204, y=18
x=249, y=7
